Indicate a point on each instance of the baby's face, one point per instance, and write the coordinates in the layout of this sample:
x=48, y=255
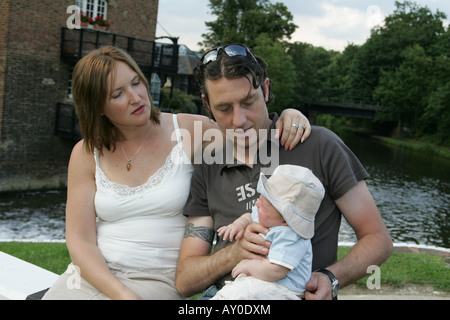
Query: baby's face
x=268, y=216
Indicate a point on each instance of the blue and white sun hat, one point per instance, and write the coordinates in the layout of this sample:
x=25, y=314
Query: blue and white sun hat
x=297, y=194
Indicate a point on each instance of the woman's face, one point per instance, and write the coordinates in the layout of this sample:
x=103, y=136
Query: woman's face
x=127, y=102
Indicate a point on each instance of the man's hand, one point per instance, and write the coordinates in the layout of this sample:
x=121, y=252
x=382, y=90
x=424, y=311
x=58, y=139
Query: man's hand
x=318, y=287
x=253, y=242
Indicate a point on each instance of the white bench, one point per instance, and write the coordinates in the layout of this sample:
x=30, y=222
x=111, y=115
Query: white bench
x=19, y=279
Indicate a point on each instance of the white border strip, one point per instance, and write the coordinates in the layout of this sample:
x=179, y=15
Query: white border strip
x=34, y=240
x=342, y=244
x=403, y=244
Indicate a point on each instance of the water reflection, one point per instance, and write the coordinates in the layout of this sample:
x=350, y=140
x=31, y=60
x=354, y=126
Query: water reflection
x=33, y=215
x=411, y=189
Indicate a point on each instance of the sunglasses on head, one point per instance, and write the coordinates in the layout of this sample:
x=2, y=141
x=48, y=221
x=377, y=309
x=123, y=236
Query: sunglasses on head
x=231, y=50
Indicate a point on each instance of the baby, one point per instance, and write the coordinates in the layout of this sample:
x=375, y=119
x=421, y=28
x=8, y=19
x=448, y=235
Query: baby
x=287, y=206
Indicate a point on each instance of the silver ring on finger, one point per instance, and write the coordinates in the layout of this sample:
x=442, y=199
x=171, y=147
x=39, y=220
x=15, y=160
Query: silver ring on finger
x=295, y=125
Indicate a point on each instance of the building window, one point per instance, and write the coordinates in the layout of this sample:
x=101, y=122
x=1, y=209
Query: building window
x=93, y=8
x=69, y=89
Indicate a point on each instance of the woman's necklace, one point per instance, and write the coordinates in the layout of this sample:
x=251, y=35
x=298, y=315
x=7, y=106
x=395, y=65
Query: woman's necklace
x=129, y=160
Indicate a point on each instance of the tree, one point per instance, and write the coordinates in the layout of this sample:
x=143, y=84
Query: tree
x=312, y=71
x=436, y=118
x=405, y=90
x=242, y=21
x=281, y=71
x=409, y=25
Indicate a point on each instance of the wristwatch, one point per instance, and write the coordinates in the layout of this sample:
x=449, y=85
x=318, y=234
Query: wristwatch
x=334, y=282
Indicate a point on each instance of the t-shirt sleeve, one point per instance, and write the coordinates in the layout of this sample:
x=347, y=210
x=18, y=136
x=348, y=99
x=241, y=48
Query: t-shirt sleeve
x=287, y=248
x=197, y=203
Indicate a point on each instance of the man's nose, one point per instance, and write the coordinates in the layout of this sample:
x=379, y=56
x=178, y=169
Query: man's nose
x=239, y=117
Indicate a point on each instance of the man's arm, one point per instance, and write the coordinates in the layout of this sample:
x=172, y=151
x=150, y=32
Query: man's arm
x=374, y=244
x=197, y=269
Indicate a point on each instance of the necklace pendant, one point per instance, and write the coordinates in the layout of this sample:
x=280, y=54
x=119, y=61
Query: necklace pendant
x=128, y=166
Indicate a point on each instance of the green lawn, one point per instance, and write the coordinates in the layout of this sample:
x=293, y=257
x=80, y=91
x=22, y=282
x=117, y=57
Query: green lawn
x=399, y=269
x=412, y=268
x=50, y=256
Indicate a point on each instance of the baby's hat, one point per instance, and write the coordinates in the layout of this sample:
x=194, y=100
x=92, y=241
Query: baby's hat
x=296, y=193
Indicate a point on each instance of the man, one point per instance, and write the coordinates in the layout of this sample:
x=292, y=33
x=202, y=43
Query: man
x=235, y=89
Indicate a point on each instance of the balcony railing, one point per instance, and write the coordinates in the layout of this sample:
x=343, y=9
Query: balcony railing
x=150, y=56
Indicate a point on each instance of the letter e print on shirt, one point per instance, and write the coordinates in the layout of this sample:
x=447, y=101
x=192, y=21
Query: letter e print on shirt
x=244, y=192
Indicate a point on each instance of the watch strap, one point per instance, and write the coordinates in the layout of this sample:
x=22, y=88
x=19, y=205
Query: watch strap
x=334, y=282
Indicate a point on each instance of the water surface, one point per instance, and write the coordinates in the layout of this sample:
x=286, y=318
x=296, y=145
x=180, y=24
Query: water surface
x=411, y=189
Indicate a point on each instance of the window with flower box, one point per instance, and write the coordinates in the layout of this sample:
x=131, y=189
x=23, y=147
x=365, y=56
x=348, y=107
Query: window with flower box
x=93, y=8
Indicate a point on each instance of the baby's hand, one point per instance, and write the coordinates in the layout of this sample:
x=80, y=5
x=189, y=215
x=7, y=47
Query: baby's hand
x=241, y=267
x=231, y=232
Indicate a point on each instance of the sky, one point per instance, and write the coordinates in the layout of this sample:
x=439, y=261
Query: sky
x=332, y=24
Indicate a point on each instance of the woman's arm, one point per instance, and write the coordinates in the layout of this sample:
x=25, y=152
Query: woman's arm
x=81, y=233
x=290, y=134
x=196, y=127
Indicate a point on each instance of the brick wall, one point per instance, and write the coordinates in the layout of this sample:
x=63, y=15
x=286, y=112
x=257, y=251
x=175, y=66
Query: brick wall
x=33, y=79
x=4, y=22
x=133, y=18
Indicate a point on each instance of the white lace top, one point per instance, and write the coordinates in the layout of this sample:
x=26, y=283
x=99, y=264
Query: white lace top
x=141, y=228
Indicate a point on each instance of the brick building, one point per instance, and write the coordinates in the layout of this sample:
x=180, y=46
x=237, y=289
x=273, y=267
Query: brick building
x=37, y=56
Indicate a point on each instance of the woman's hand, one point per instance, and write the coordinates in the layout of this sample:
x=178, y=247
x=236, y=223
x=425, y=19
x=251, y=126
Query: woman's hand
x=293, y=128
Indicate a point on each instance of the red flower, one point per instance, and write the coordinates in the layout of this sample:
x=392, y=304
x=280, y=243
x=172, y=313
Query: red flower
x=101, y=22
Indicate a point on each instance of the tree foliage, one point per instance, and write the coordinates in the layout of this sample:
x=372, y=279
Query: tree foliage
x=404, y=64
x=281, y=71
x=242, y=21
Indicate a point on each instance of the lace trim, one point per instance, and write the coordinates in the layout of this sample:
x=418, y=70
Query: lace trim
x=153, y=182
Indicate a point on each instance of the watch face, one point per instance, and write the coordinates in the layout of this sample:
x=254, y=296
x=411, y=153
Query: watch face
x=335, y=288
x=334, y=282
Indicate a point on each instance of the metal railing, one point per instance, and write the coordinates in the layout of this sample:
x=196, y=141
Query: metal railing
x=149, y=55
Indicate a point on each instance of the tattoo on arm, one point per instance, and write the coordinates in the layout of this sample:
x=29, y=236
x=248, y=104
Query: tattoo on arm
x=204, y=233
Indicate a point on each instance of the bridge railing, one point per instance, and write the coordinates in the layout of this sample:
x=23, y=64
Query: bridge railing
x=338, y=97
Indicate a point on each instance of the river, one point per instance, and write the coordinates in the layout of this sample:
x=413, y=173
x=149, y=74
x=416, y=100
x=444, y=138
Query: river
x=411, y=189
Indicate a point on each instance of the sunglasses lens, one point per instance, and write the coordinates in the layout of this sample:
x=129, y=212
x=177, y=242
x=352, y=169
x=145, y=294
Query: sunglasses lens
x=235, y=50
x=232, y=50
x=210, y=56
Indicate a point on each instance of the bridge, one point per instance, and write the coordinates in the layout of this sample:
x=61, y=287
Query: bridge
x=365, y=110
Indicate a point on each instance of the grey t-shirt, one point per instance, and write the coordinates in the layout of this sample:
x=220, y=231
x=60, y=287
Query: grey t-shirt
x=226, y=191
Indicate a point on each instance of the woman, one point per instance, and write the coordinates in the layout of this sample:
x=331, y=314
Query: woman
x=128, y=182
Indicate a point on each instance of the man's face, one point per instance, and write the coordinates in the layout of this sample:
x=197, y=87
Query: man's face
x=236, y=105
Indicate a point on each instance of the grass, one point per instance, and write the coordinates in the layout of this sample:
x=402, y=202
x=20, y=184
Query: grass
x=411, y=268
x=420, y=146
x=50, y=256
x=400, y=269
